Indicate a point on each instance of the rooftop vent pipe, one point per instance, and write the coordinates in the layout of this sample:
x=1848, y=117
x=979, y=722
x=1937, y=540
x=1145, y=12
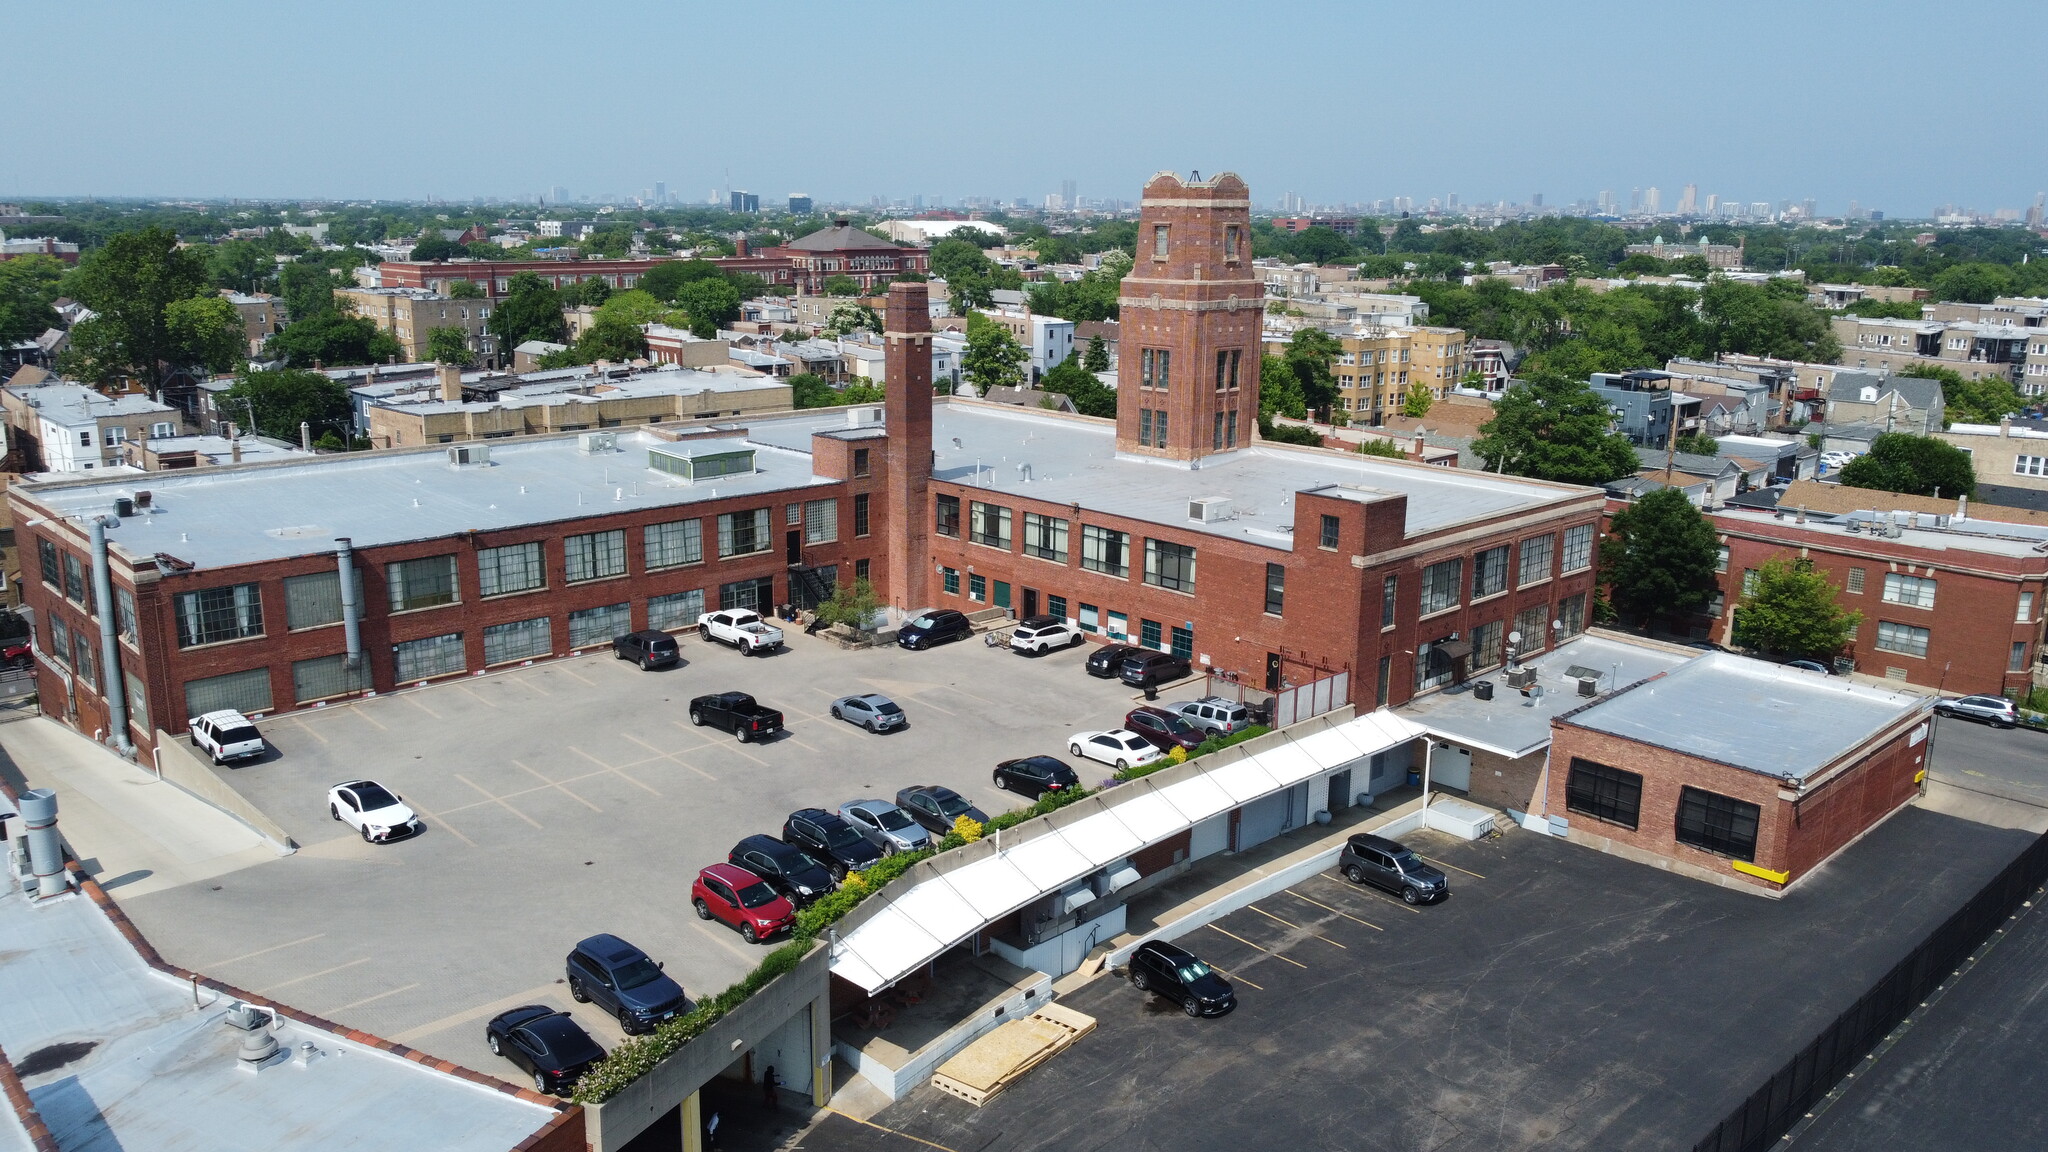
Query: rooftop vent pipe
x=351, y=621
x=45, y=851
x=116, y=694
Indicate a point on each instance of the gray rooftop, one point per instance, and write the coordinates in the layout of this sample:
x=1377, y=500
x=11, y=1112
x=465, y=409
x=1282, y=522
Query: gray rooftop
x=61, y=402
x=1766, y=718
x=1514, y=725
x=163, y=1075
x=1930, y=533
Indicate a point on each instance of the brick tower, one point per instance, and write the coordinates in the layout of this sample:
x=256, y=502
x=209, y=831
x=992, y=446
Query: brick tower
x=1188, y=354
x=907, y=397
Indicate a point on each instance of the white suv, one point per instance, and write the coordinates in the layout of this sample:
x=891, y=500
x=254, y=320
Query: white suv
x=226, y=736
x=1045, y=633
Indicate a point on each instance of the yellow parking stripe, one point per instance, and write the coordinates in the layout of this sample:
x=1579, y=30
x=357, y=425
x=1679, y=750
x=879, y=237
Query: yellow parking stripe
x=1241, y=980
x=1296, y=927
x=1452, y=867
x=1338, y=911
x=1371, y=892
x=1267, y=951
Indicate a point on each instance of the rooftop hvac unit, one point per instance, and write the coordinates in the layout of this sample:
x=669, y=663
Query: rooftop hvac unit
x=1589, y=685
x=465, y=455
x=594, y=443
x=1521, y=678
x=1209, y=509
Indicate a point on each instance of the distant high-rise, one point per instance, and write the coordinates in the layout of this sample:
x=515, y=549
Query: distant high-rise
x=1653, y=200
x=1536, y=201
x=1635, y=200
x=1453, y=201
x=558, y=195
x=745, y=201
x=1713, y=202
x=1606, y=203
x=1689, y=200
x=1807, y=209
x=1067, y=195
x=799, y=204
x=1761, y=209
x=661, y=191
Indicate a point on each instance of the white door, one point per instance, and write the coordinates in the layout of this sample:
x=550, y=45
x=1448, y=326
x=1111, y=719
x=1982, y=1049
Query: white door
x=1451, y=767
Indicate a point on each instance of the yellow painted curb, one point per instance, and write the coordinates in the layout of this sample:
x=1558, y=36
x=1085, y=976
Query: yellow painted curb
x=1753, y=870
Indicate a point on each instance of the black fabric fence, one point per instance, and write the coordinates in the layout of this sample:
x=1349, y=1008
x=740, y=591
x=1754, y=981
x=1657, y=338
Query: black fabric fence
x=1791, y=1093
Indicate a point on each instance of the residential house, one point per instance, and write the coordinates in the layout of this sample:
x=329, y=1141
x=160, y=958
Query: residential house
x=69, y=427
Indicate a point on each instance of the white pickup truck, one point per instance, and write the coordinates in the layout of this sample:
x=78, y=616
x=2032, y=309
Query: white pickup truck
x=742, y=628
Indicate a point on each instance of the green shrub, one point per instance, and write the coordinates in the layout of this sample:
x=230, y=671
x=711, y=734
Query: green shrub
x=1219, y=743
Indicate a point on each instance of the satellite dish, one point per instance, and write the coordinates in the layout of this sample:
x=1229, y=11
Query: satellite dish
x=1514, y=637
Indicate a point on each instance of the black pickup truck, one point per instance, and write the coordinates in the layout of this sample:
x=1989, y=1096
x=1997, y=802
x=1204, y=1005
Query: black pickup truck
x=737, y=713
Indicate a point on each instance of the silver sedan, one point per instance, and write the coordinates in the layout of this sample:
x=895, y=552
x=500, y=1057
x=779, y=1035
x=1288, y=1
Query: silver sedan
x=872, y=711
x=885, y=825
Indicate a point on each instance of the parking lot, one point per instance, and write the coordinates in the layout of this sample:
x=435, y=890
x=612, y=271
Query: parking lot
x=574, y=797
x=1558, y=998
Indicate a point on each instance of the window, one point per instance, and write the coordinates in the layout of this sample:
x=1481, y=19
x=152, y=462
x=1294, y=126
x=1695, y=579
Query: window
x=84, y=658
x=422, y=583
x=1159, y=241
x=47, y=550
x=85, y=439
x=792, y=515
x=1149, y=633
x=324, y=677
x=1902, y=638
x=1230, y=242
x=1118, y=626
x=219, y=614
x=1432, y=666
x=1045, y=537
x=1440, y=585
x=74, y=578
x=425, y=659
x=1216, y=437
x=1332, y=528
x=1056, y=606
x=1183, y=644
x=244, y=692
x=1578, y=548
x=2030, y=465
x=988, y=524
x=1490, y=572
x=2026, y=613
x=1604, y=793
x=314, y=600
x=1089, y=618
x=1227, y=362
x=2018, y=663
x=1534, y=562
x=1912, y=591
x=860, y=515
x=861, y=467
x=821, y=521
x=675, y=610
x=519, y=640
x=594, y=555
x=1145, y=428
x=1748, y=582
x=1717, y=823
x=162, y=429
x=1106, y=551
x=138, y=702
x=513, y=568
x=947, y=522
x=124, y=612
x=1486, y=649
x=1170, y=566
x=1721, y=559
x=1572, y=612
x=1385, y=683
x=1145, y=367
x=860, y=569
x=1390, y=592
x=673, y=544
x=977, y=588
x=1276, y=588
x=758, y=594
x=949, y=579
x=1856, y=580
x=598, y=625
x=743, y=533
x=1533, y=623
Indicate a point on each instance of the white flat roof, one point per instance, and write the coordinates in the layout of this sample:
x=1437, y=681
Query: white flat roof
x=1514, y=725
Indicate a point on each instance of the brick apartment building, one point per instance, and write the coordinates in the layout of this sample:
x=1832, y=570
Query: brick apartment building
x=1379, y=366
x=411, y=314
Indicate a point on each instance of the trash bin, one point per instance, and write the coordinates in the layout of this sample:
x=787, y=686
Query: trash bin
x=1414, y=778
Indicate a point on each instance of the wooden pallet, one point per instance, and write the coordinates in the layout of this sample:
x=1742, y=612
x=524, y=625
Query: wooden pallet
x=980, y=1071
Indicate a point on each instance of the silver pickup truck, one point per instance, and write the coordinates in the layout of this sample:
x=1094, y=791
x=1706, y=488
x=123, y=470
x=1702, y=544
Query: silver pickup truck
x=742, y=628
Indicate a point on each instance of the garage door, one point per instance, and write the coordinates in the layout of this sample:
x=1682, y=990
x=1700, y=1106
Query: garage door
x=1262, y=820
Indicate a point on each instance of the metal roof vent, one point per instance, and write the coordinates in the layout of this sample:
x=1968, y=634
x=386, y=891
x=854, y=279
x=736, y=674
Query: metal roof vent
x=1209, y=509
x=258, y=1050
x=247, y=1017
x=469, y=455
x=594, y=443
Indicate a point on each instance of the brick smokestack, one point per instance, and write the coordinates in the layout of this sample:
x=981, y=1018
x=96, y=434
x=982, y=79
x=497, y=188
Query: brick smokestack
x=908, y=401
x=740, y=247
x=451, y=382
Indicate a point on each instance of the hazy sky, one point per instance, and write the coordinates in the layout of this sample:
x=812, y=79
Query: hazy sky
x=1883, y=101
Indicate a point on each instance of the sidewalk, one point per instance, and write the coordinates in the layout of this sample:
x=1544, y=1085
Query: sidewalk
x=131, y=831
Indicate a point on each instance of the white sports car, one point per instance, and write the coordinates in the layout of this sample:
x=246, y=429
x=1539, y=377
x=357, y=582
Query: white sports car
x=1120, y=747
x=373, y=810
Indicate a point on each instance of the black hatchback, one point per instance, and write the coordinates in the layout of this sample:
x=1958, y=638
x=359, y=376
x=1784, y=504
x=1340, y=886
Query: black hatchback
x=1392, y=865
x=830, y=841
x=1104, y=661
x=1034, y=776
x=625, y=982
x=934, y=627
x=1147, y=669
x=1176, y=974
x=544, y=1042
x=786, y=868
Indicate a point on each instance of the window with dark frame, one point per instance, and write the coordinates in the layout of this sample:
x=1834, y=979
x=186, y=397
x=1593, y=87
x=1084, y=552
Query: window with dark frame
x=1276, y=588
x=1332, y=531
x=1169, y=565
x=860, y=514
x=947, y=520
x=1490, y=572
x=213, y=615
x=860, y=462
x=1440, y=583
x=1604, y=793
x=1150, y=634
x=47, y=551
x=1390, y=594
x=1718, y=823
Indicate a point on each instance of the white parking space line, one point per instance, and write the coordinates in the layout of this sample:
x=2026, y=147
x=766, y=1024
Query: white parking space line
x=333, y=1012
x=727, y=939
x=415, y=805
x=1453, y=867
x=545, y=992
x=559, y=786
x=934, y=707
x=414, y=700
x=501, y=802
x=609, y=768
x=263, y=951
x=363, y=714
x=308, y=729
x=1369, y=891
x=571, y=674
x=675, y=756
x=315, y=975
x=473, y=694
x=805, y=747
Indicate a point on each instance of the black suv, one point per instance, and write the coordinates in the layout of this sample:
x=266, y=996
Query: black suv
x=1034, y=776
x=648, y=649
x=546, y=1043
x=1174, y=973
x=1148, y=669
x=623, y=981
x=830, y=841
x=936, y=807
x=786, y=868
x=1389, y=864
x=1104, y=661
x=934, y=627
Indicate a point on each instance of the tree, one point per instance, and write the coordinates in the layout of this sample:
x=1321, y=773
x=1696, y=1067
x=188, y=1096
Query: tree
x=711, y=304
x=590, y=293
x=1975, y=283
x=1418, y=402
x=1309, y=356
x=530, y=310
x=207, y=332
x=332, y=339
x=1790, y=610
x=859, y=392
x=464, y=290
x=1321, y=245
x=854, y=605
x=840, y=284
x=307, y=288
x=283, y=398
x=1659, y=556
x=611, y=338
x=1984, y=400
x=449, y=345
x=28, y=288
x=1071, y=378
x=1097, y=357
x=1771, y=319
x=434, y=246
x=130, y=283
x=993, y=358
x=808, y=390
x=1698, y=445
x=1913, y=465
x=1381, y=446
x=666, y=279
x=851, y=317
x=633, y=306
x=1884, y=309
x=1551, y=427
x=241, y=265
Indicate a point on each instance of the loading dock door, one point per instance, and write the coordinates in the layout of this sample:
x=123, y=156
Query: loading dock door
x=1340, y=792
x=1263, y=819
x=1451, y=767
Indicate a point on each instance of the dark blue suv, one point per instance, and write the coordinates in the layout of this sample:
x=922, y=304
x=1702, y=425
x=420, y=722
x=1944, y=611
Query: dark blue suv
x=625, y=982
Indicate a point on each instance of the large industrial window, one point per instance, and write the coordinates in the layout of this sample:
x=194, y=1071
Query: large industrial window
x=1105, y=550
x=947, y=520
x=743, y=533
x=513, y=568
x=1604, y=793
x=1159, y=235
x=1572, y=611
x=1578, y=548
x=673, y=544
x=314, y=600
x=218, y=614
x=47, y=551
x=1045, y=537
x=422, y=583
x=977, y=588
x=1535, y=560
x=1390, y=595
x=860, y=515
x=425, y=659
x=1490, y=572
x=519, y=640
x=821, y=521
x=594, y=555
x=1912, y=591
x=1227, y=364
x=589, y=626
x=1276, y=588
x=138, y=703
x=988, y=524
x=949, y=580
x=1533, y=623
x=1440, y=585
x=1170, y=566
x=244, y=692
x=1183, y=642
x=758, y=594
x=85, y=658
x=1485, y=645
x=675, y=610
x=1150, y=633
x=1717, y=823
x=1432, y=666
x=58, y=646
x=325, y=677
x=1332, y=530
x=74, y=578
x=124, y=610
x=1902, y=638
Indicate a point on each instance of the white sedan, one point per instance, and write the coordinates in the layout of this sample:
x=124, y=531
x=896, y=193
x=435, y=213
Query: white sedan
x=373, y=810
x=1120, y=747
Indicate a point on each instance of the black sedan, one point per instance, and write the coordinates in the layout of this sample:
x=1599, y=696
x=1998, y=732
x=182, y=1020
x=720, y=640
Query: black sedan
x=546, y=1043
x=1105, y=661
x=1034, y=776
x=936, y=807
x=831, y=841
x=1174, y=973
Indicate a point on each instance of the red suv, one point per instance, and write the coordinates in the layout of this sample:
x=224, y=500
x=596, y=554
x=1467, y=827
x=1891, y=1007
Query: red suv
x=1166, y=730
x=736, y=896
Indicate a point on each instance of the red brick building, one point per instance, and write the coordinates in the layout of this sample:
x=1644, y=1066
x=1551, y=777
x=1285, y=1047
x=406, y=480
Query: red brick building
x=843, y=250
x=495, y=276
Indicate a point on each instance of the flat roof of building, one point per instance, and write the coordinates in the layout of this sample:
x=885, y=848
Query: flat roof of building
x=157, y=1072
x=1930, y=531
x=62, y=402
x=1514, y=725
x=1750, y=714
